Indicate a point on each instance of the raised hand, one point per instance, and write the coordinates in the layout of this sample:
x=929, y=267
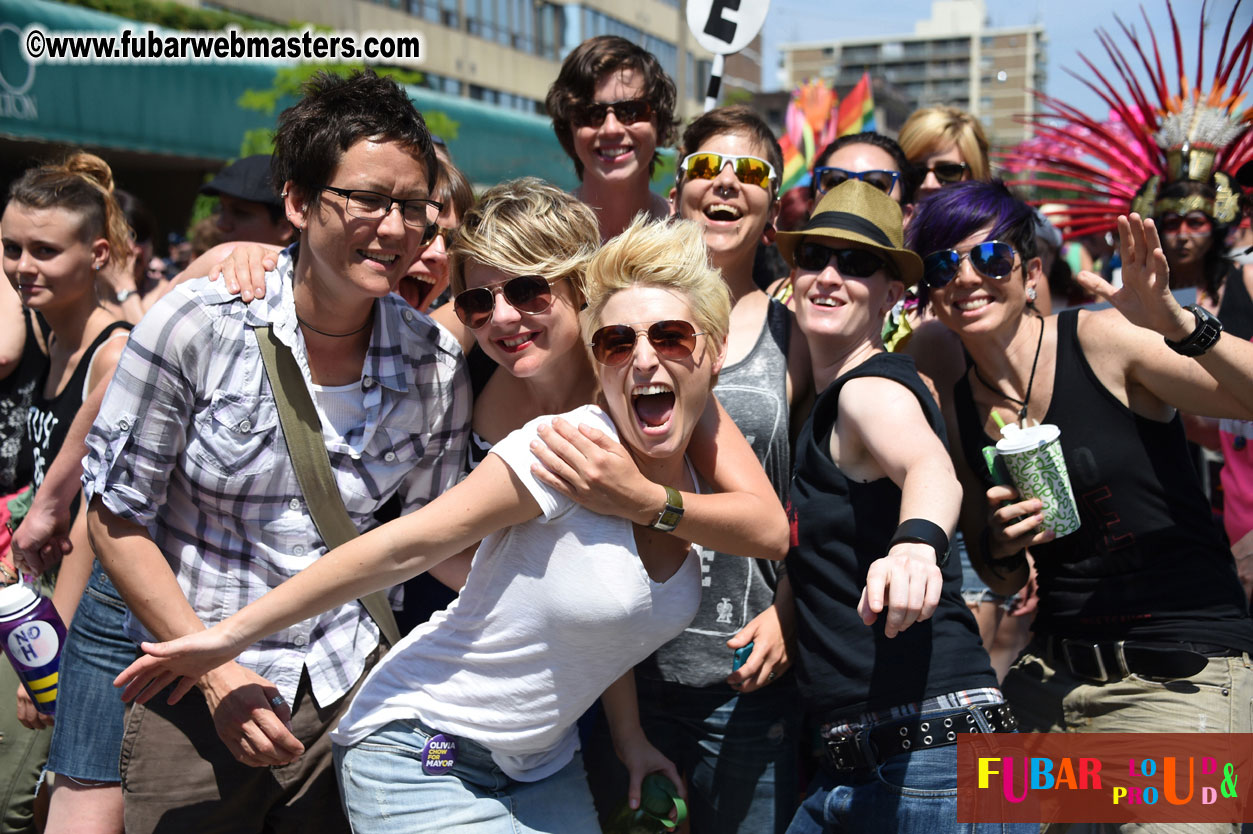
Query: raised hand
x=1144, y=298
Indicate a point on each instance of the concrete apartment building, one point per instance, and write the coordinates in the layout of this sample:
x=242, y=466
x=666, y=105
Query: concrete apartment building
x=951, y=58
x=507, y=52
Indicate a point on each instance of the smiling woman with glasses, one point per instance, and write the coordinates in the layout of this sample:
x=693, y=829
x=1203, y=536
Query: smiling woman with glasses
x=877, y=500
x=612, y=107
x=205, y=388
x=946, y=145
x=469, y=724
x=1142, y=622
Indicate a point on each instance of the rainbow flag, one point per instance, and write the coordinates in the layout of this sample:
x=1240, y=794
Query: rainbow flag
x=809, y=127
x=857, y=109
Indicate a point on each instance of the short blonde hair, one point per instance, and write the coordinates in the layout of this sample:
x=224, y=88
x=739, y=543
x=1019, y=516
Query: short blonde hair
x=526, y=227
x=670, y=256
x=935, y=129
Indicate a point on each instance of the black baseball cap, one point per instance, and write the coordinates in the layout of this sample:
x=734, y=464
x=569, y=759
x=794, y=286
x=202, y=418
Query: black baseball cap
x=246, y=179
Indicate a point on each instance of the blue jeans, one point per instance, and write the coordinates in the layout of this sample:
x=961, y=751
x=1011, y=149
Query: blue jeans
x=914, y=792
x=385, y=791
x=738, y=753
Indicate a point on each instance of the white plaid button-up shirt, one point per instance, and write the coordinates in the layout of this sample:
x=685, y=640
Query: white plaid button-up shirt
x=188, y=444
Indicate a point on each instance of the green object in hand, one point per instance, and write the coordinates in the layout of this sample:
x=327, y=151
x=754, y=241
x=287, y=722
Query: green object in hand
x=658, y=797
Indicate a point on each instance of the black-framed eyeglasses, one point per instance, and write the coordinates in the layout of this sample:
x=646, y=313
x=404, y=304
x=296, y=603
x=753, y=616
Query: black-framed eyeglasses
x=826, y=177
x=371, y=205
x=525, y=293
x=627, y=111
x=614, y=344
x=993, y=258
x=853, y=263
x=946, y=172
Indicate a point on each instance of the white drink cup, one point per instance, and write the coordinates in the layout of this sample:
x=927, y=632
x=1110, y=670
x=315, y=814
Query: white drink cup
x=1034, y=459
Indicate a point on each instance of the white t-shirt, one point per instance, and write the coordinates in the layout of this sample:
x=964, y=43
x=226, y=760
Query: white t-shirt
x=553, y=612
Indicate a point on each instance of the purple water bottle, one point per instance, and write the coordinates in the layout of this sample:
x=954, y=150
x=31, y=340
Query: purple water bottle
x=32, y=634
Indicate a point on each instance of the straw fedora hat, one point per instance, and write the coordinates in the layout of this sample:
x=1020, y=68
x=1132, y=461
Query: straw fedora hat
x=862, y=216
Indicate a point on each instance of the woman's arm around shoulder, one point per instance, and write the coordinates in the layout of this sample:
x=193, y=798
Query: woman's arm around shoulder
x=743, y=517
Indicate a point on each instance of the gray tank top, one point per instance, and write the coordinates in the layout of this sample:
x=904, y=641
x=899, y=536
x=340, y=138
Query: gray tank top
x=735, y=589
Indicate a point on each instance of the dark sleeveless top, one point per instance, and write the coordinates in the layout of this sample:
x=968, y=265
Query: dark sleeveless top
x=50, y=417
x=846, y=667
x=16, y=392
x=754, y=393
x=1236, y=311
x=1148, y=562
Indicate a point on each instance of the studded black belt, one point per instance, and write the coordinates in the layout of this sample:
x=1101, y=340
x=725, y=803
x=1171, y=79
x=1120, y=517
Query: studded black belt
x=874, y=745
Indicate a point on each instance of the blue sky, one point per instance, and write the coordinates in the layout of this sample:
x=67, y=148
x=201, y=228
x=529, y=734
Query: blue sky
x=1069, y=24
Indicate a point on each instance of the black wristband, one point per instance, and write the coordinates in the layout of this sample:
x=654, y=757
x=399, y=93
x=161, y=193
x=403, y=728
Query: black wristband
x=1205, y=336
x=926, y=532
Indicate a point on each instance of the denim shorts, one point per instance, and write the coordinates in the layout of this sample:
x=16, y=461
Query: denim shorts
x=385, y=790
x=87, y=735
x=974, y=589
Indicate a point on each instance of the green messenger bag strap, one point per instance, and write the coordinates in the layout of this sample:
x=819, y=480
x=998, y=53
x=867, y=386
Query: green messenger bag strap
x=303, y=433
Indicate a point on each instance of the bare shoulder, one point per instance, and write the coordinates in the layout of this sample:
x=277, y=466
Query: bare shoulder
x=877, y=399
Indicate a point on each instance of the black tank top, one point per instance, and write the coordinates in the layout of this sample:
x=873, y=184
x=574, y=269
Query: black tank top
x=50, y=417
x=1148, y=562
x=1236, y=311
x=17, y=390
x=842, y=526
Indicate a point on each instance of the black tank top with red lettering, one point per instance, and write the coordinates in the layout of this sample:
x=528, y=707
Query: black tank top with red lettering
x=1148, y=562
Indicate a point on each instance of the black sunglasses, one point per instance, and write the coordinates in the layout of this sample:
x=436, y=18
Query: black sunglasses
x=946, y=172
x=525, y=293
x=825, y=178
x=628, y=111
x=854, y=263
x=614, y=344
x=993, y=258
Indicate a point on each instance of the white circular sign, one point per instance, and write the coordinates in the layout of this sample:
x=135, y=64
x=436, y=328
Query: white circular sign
x=726, y=26
x=34, y=644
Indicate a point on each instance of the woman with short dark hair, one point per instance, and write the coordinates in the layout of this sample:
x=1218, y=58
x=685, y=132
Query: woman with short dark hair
x=1142, y=624
x=612, y=107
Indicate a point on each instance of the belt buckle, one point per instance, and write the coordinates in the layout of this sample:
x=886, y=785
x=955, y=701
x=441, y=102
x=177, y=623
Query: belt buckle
x=1092, y=650
x=845, y=753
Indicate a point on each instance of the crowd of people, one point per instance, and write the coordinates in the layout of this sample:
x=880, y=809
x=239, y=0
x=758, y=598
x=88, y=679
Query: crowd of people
x=406, y=509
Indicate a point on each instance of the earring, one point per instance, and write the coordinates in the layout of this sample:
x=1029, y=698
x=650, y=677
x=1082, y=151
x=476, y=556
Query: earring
x=96, y=267
x=1031, y=293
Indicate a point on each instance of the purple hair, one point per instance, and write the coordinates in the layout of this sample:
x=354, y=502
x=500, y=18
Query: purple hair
x=957, y=211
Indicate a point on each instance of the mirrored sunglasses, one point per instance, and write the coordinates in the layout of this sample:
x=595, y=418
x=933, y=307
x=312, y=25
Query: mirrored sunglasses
x=946, y=172
x=614, y=344
x=853, y=263
x=525, y=293
x=993, y=258
x=707, y=165
x=825, y=178
x=628, y=111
